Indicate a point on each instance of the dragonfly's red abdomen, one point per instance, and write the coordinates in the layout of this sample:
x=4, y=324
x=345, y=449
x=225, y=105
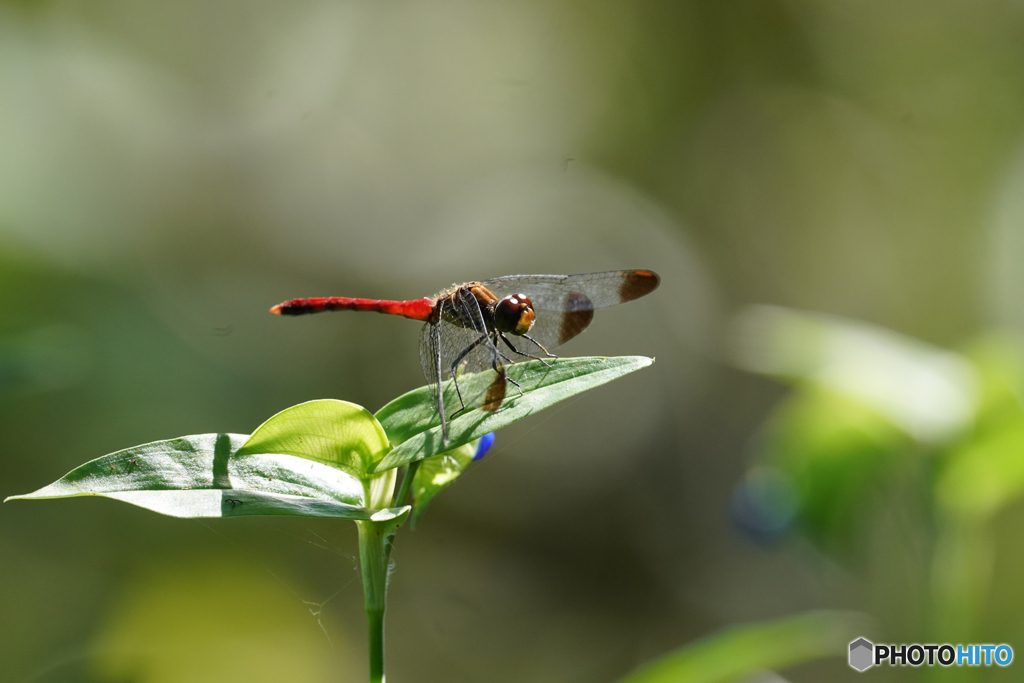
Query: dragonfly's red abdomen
x=417, y=309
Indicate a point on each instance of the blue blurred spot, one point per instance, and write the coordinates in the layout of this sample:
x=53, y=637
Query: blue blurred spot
x=486, y=441
x=763, y=506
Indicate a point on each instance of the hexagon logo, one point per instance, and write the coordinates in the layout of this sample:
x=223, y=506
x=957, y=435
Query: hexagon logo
x=862, y=654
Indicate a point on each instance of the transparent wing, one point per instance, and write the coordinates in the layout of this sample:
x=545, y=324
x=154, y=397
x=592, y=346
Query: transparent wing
x=564, y=304
x=460, y=348
x=607, y=288
x=430, y=363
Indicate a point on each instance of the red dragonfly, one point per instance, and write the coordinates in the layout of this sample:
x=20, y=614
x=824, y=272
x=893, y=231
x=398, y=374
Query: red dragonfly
x=468, y=327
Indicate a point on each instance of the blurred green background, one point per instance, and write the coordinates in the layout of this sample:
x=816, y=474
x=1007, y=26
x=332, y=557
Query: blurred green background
x=831, y=192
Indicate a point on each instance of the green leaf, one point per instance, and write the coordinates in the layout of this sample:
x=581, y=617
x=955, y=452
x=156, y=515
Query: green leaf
x=437, y=472
x=738, y=652
x=336, y=433
x=984, y=475
x=412, y=421
x=835, y=452
x=205, y=476
x=928, y=392
x=998, y=360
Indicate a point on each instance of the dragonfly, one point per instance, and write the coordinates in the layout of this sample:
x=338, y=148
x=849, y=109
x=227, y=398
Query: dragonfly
x=480, y=326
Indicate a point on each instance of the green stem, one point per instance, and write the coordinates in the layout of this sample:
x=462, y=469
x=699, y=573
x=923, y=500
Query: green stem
x=375, y=624
x=403, y=490
x=374, y=549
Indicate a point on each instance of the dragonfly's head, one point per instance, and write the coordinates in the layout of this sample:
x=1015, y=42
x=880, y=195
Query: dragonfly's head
x=514, y=314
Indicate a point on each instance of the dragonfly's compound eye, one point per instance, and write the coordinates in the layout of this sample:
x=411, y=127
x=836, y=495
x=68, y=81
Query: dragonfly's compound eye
x=514, y=314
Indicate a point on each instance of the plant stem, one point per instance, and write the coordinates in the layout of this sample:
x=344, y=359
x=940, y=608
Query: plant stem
x=375, y=626
x=403, y=490
x=374, y=549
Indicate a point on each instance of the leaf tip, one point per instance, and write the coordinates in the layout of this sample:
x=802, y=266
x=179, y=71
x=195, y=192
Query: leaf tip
x=22, y=496
x=388, y=514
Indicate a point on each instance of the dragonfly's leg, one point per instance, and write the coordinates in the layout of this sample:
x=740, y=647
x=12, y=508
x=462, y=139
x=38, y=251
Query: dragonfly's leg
x=512, y=381
x=458, y=393
x=494, y=363
x=504, y=357
x=522, y=353
x=455, y=381
x=465, y=351
x=539, y=346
